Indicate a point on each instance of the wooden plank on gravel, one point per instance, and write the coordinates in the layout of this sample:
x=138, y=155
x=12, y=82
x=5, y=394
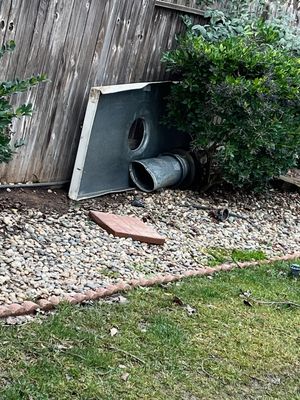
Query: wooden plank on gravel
x=291, y=180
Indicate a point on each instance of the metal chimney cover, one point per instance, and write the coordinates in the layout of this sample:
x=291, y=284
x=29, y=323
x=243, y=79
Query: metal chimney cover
x=122, y=123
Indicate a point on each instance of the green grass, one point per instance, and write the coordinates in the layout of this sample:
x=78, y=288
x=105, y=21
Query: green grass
x=226, y=350
x=222, y=255
x=109, y=273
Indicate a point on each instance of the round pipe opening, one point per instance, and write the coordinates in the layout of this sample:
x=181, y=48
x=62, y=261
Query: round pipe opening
x=141, y=177
x=166, y=170
x=136, y=135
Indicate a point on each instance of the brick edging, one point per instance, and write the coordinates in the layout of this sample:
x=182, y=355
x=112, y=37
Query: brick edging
x=30, y=307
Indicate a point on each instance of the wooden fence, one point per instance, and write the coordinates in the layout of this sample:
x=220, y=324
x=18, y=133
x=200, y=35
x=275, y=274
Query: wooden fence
x=79, y=44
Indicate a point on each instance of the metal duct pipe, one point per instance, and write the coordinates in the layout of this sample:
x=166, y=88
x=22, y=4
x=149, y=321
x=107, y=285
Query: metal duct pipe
x=163, y=171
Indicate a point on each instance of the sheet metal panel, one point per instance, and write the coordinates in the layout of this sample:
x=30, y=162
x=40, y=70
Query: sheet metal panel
x=104, y=155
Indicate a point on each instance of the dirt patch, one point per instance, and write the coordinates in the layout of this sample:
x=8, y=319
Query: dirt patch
x=110, y=201
x=55, y=201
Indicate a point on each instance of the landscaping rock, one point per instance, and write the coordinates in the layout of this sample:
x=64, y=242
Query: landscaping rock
x=53, y=252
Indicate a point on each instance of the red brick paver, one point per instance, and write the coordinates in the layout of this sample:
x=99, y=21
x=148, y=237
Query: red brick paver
x=125, y=226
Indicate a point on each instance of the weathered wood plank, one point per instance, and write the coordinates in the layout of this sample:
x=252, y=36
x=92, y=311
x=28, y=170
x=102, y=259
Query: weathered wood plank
x=5, y=7
x=178, y=7
x=80, y=44
x=76, y=98
x=290, y=180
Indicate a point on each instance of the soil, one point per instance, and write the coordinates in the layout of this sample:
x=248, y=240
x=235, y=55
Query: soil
x=56, y=201
x=40, y=199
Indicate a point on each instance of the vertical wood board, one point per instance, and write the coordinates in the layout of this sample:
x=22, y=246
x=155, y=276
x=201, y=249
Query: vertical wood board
x=79, y=44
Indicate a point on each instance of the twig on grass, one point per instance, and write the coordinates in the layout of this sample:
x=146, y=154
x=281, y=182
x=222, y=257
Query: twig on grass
x=276, y=303
x=204, y=370
x=211, y=376
x=76, y=355
x=248, y=297
x=235, y=262
x=127, y=354
x=258, y=379
x=107, y=372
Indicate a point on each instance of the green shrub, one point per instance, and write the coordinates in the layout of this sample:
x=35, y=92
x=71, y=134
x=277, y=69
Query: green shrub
x=7, y=112
x=238, y=97
x=241, y=17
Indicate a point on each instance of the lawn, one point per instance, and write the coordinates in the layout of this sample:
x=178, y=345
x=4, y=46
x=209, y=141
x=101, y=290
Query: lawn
x=198, y=339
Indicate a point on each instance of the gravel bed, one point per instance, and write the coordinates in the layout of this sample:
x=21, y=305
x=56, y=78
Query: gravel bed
x=50, y=253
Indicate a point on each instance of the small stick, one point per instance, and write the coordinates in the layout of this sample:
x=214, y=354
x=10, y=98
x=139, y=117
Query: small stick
x=107, y=373
x=76, y=355
x=257, y=379
x=206, y=208
x=235, y=261
x=197, y=207
x=127, y=353
x=276, y=303
x=204, y=370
